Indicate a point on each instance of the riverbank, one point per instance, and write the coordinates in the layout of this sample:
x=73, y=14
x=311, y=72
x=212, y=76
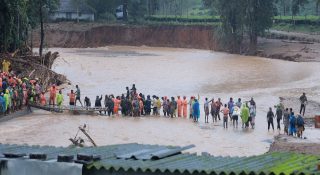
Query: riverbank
x=26, y=64
x=276, y=45
x=284, y=143
x=26, y=71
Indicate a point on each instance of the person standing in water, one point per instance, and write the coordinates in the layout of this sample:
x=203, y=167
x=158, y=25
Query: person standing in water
x=154, y=104
x=148, y=105
x=78, y=96
x=300, y=125
x=286, y=121
x=191, y=102
x=253, y=103
x=185, y=106
x=87, y=102
x=53, y=93
x=270, y=117
x=164, y=106
x=230, y=107
x=252, y=111
x=279, y=114
x=43, y=100
x=303, y=101
x=245, y=113
x=239, y=103
x=128, y=93
x=214, y=111
x=235, y=116
x=158, y=103
x=225, y=111
x=293, y=122
x=206, y=110
x=72, y=98
x=179, y=104
x=133, y=90
x=97, y=103
x=196, y=110
x=219, y=104
x=59, y=99
x=173, y=107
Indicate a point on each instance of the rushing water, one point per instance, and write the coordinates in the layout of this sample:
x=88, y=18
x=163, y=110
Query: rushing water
x=169, y=72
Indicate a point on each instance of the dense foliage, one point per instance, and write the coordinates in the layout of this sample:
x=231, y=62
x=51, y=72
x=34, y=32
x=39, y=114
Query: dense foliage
x=17, y=17
x=241, y=18
x=238, y=19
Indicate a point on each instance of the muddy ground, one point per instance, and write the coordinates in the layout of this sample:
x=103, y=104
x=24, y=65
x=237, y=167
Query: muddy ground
x=291, y=50
x=284, y=143
x=312, y=108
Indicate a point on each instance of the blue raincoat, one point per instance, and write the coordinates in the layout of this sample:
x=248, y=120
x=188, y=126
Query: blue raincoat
x=196, y=110
x=2, y=104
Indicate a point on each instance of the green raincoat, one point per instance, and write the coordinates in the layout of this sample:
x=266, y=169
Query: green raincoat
x=245, y=113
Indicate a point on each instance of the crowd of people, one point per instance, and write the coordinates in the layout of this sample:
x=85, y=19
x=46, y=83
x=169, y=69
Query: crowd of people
x=293, y=123
x=17, y=91
x=137, y=104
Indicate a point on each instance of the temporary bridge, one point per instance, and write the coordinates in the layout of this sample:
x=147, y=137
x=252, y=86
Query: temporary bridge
x=71, y=109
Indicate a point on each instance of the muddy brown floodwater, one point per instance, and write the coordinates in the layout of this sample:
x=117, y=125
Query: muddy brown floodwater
x=169, y=72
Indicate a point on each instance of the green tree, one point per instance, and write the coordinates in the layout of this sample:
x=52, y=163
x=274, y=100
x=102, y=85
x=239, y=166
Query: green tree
x=258, y=18
x=296, y=6
x=317, y=7
x=242, y=18
x=102, y=7
x=137, y=9
x=232, y=21
x=16, y=17
x=13, y=24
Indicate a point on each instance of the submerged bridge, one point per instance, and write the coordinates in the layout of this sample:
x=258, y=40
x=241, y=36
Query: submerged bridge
x=71, y=109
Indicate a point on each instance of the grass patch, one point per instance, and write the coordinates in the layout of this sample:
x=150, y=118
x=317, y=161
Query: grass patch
x=315, y=29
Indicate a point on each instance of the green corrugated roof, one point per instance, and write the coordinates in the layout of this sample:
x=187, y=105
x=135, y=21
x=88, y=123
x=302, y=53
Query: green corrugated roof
x=270, y=163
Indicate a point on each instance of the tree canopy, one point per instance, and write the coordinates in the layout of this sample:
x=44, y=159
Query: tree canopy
x=17, y=18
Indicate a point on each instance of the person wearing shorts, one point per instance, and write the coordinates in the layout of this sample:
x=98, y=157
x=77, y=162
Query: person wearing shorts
x=225, y=112
x=72, y=98
x=235, y=116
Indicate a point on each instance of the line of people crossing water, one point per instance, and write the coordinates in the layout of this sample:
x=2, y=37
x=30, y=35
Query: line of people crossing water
x=137, y=104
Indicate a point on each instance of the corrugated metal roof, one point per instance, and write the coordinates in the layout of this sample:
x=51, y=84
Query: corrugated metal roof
x=71, y=6
x=270, y=163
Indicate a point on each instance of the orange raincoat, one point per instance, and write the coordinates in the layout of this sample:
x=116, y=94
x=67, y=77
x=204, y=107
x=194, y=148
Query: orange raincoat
x=179, y=104
x=185, y=107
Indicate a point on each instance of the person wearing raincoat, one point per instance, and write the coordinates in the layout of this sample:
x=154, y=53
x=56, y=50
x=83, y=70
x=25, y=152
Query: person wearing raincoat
x=196, y=110
x=6, y=97
x=179, y=104
x=292, y=124
x=2, y=104
x=244, y=115
x=59, y=99
x=185, y=106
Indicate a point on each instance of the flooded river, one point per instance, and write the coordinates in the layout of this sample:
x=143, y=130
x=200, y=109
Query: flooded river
x=169, y=72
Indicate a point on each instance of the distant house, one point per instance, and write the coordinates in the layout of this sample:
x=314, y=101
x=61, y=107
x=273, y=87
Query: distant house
x=70, y=10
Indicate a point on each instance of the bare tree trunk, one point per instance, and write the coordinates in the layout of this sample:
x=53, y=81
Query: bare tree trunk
x=41, y=29
x=78, y=13
x=253, y=43
x=125, y=10
x=317, y=8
